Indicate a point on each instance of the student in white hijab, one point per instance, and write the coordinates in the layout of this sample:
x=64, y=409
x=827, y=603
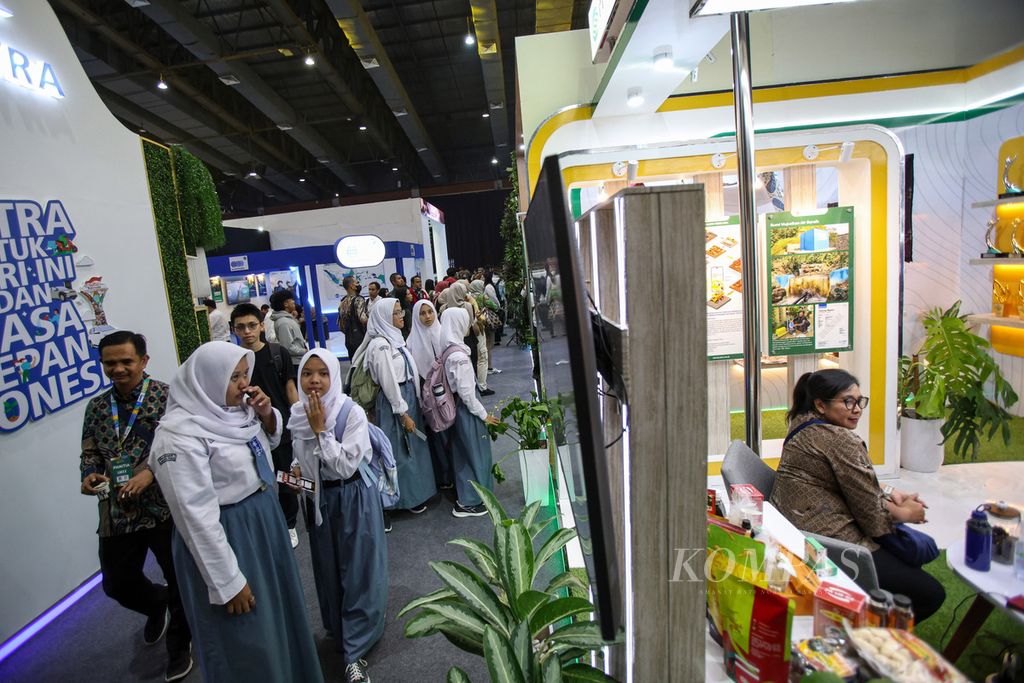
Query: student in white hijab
x=235, y=567
x=346, y=537
x=467, y=439
x=391, y=366
x=425, y=345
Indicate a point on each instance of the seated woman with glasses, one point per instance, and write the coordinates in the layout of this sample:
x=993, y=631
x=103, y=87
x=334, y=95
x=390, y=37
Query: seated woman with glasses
x=826, y=485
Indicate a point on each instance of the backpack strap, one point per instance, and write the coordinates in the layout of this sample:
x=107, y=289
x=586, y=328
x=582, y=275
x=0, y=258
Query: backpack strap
x=339, y=433
x=277, y=353
x=802, y=427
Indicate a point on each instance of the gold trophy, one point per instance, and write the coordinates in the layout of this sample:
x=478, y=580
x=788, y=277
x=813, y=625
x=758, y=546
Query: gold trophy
x=1000, y=292
x=1009, y=188
x=1018, y=249
x=1020, y=299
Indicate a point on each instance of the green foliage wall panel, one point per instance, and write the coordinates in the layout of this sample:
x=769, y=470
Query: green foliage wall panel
x=513, y=270
x=172, y=250
x=197, y=201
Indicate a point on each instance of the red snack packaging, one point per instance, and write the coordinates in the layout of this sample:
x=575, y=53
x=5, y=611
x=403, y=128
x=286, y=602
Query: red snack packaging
x=740, y=491
x=833, y=604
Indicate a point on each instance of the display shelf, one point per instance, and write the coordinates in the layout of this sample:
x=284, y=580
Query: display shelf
x=1007, y=261
x=996, y=202
x=990, y=319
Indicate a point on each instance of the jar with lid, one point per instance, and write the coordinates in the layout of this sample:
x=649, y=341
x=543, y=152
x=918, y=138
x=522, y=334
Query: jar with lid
x=903, y=613
x=879, y=608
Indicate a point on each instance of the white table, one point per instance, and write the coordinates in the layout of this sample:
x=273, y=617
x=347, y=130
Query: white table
x=994, y=588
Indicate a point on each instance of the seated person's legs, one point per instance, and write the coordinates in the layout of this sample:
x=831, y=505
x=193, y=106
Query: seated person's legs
x=898, y=577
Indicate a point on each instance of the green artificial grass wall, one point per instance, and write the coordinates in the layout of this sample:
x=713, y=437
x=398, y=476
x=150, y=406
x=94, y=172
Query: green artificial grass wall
x=197, y=202
x=773, y=424
x=981, y=656
x=172, y=249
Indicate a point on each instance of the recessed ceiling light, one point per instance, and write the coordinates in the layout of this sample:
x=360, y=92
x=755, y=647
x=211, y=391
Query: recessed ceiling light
x=663, y=60
x=302, y=180
x=494, y=161
x=336, y=194
x=309, y=59
x=362, y=126
x=634, y=97
x=394, y=168
x=486, y=115
x=253, y=174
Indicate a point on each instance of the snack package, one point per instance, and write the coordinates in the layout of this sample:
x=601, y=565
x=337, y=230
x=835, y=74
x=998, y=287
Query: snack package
x=749, y=503
x=814, y=553
x=832, y=605
x=825, y=654
x=903, y=657
x=711, y=502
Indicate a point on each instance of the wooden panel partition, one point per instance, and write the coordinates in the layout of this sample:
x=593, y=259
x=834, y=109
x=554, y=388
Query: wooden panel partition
x=658, y=235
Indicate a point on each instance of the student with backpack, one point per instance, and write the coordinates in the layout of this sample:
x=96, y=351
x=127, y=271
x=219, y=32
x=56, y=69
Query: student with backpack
x=274, y=373
x=332, y=444
x=467, y=437
x=424, y=343
x=384, y=357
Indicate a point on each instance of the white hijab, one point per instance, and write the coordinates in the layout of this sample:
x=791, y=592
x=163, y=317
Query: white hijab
x=454, y=328
x=424, y=342
x=195, y=404
x=380, y=325
x=331, y=401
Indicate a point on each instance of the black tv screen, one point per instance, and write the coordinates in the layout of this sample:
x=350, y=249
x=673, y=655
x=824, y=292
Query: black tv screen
x=568, y=373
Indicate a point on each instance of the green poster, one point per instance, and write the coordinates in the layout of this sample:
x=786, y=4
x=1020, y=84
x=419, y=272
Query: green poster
x=216, y=290
x=810, y=282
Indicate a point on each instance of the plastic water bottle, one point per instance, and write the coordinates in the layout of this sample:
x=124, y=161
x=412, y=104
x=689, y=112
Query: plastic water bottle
x=1018, y=553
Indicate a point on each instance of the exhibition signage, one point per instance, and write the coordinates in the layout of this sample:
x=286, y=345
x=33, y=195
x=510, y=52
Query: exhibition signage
x=236, y=263
x=725, y=288
x=598, y=16
x=359, y=251
x=810, y=282
x=36, y=75
x=48, y=358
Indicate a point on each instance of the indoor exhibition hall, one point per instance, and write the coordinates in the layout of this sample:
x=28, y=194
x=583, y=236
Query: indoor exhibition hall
x=375, y=340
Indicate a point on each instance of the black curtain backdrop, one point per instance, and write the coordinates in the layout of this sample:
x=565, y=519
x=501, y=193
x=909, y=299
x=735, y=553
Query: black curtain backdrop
x=242, y=241
x=471, y=224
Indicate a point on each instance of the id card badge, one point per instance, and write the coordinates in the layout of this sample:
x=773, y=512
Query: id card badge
x=121, y=470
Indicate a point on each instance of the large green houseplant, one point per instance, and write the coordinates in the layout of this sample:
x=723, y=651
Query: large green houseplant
x=494, y=610
x=527, y=422
x=953, y=382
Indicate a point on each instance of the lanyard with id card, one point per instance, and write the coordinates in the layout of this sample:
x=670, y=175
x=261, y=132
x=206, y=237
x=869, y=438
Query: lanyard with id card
x=121, y=466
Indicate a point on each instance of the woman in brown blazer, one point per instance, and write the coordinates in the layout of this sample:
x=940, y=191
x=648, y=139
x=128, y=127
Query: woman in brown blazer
x=826, y=484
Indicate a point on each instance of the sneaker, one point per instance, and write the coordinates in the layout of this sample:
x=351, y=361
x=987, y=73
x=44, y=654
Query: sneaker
x=472, y=511
x=294, y=535
x=447, y=487
x=356, y=672
x=419, y=509
x=494, y=371
x=179, y=665
x=387, y=522
x=156, y=626
x=487, y=392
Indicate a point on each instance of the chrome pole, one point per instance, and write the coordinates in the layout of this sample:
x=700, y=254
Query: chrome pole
x=743, y=106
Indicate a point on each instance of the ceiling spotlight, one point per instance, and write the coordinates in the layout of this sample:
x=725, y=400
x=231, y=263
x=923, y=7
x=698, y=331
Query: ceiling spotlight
x=5, y=13
x=663, y=60
x=470, y=38
x=253, y=174
x=302, y=180
x=494, y=161
x=284, y=126
x=161, y=84
x=394, y=168
x=486, y=115
x=634, y=97
x=309, y=59
x=336, y=194
x=362, y=126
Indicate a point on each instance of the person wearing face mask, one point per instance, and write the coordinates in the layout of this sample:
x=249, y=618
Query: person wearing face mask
x=352, y=315
x=467, y=438
x=349, y=552
x=232, y=556
x=424, y=344
x=397, y=412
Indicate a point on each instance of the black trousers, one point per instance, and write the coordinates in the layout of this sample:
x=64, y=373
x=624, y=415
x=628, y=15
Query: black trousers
x=121, y=561
x=289, y=501
x=896, y=576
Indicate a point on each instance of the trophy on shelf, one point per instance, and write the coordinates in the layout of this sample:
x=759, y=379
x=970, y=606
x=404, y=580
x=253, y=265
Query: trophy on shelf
x=1018, y=249
x=990, y=241
x=1000, y=292
x=1010, y=189
x=1020, y=299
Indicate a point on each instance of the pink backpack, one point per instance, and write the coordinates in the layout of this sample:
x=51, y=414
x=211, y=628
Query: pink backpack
x=436, y=398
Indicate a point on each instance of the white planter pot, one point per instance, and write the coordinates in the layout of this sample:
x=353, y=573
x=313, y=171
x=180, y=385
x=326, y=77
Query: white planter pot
x=920, y=444
x=535, y=468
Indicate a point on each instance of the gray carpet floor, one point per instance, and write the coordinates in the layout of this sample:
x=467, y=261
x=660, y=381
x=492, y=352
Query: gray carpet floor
x=98, y=640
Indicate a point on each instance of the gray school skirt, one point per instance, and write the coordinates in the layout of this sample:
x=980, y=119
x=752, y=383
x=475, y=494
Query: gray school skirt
x=471, y=454
x=415, y=469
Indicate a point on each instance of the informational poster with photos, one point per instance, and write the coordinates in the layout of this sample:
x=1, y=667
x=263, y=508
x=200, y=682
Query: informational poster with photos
x=724, y=288
x=810, y=282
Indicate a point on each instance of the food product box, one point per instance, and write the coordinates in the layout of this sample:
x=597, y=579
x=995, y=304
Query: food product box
x=833, y=604
x=711, y=502
x=738, y=492
x=815, y=555
x=902, y=656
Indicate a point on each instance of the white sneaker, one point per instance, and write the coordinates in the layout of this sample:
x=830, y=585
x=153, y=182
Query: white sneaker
x=294, y=535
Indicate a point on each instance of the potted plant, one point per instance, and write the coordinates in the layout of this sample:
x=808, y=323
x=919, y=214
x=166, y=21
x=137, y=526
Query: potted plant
x=951, y=390
x=528, y=428
x=495, y=611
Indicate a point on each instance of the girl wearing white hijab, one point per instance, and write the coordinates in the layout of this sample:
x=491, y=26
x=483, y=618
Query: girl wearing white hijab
x=483, y=356
x=392, y=367
x=233, y=558
x=468, y=440
x=425, y=345
x=347, y=545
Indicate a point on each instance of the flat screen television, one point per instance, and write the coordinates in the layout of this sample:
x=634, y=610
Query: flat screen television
x=568, y=373
x=237, y=290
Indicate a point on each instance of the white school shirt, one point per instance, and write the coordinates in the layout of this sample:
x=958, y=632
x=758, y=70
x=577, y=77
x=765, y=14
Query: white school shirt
x=388, y=369
x=462, y=379
x=219, y=327
x=332, y=458
x=198, y=476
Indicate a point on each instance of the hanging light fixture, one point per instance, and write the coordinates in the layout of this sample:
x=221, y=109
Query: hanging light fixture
x=494, y=161
x=309, y=59
x=470, y=38
x=161, y=84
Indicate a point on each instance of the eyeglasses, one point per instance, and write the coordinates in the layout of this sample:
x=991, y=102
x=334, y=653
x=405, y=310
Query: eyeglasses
x=850, y=402
x=244, y=327
x=400, y=313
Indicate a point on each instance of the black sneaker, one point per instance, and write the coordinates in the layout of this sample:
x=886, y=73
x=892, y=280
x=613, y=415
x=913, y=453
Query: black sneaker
x=179, y=665
x=447, y=487
x=156, y=626
x=472, y=511
x=419, y=509
x=487, y=392
x=356, y=672
x=387, y=522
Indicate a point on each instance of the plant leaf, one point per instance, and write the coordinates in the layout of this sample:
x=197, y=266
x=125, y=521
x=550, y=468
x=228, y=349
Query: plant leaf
x=569, y=580
x=457, y=675
x=555, y=611
x=442, y=594
x=502, y=664
x=475, y=592
x=494, y=509
x=554, y=544
x=423, y=624
x=480, y=555
x=528, y=604
x=584, y=634
x=522, y=647
x=584, y=673
x=552, y=671
x=462, y=639
x=569, y=655
x=518, y=561
x=458, y=614
x=529, y=514
x=540, y=526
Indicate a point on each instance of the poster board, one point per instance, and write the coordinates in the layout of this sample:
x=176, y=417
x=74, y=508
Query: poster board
x=237, y=290
x=724, y=299
x=810, y=282
x=331, y=275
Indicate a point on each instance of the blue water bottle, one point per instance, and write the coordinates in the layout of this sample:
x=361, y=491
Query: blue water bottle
x=978, y=547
